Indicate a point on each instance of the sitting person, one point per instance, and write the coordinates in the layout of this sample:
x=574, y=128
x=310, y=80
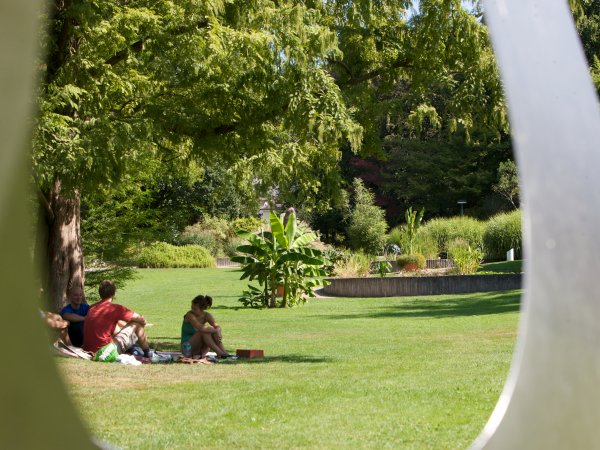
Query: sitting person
x=75, y=313
x=108, y=322
x=200, y=330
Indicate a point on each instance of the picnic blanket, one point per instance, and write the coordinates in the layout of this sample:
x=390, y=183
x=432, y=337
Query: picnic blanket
x=70, y=351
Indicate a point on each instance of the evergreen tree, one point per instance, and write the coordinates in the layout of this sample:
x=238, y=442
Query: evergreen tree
x=367, y=228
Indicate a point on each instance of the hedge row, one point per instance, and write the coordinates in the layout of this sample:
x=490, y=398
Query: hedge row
x=163, y=255
x=495, y=237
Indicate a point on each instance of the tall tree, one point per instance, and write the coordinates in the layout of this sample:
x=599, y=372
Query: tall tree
x=129, y=82
x=279, y=85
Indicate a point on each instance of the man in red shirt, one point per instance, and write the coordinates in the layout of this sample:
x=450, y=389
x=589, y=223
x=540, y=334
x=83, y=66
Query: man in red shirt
x=108, y=322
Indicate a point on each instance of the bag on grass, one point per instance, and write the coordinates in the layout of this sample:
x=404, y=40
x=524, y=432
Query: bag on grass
x=108, y=353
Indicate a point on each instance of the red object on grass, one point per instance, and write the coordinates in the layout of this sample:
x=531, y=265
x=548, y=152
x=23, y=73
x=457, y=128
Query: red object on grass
x=250, y=353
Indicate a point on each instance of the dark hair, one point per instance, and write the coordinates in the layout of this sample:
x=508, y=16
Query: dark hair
x=107, y=289
x=202, y=301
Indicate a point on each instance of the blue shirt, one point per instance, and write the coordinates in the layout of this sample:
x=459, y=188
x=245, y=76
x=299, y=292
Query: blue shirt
x=81, y=311
x=76, y=327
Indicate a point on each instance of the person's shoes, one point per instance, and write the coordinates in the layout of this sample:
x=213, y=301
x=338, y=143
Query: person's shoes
x=228, y=356
x=211, y=358
x=136, y=350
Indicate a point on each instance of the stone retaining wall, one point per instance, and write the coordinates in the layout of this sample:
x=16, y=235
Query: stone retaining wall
x=403, y=286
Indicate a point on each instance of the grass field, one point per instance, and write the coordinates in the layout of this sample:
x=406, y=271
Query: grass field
x=339, y=373
x=503, y=266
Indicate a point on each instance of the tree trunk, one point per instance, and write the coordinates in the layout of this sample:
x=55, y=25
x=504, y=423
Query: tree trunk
x=63, y=251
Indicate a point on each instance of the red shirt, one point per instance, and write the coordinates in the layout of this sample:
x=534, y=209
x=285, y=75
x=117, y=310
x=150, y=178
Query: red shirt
x=100, y=324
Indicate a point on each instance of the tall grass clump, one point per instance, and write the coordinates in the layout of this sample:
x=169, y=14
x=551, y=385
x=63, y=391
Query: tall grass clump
x=443, y=231
x=423, y=244
x=503, y=232
x=163, y=255
x=352, y=265
x=466, y=259
x=426, y=245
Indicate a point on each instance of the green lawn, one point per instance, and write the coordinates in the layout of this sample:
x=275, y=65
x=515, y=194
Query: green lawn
x=397, y=372
x=503, y=266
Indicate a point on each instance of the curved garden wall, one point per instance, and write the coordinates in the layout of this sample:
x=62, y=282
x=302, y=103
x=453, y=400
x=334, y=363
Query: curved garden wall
x=435, y=285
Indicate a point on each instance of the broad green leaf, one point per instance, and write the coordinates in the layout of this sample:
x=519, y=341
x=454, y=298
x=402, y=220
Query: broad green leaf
x=277, y=230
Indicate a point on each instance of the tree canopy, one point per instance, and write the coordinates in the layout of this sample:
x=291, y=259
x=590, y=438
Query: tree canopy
x=276, y=86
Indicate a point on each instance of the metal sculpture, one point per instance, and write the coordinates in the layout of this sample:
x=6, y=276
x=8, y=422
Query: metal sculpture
x=552, y=397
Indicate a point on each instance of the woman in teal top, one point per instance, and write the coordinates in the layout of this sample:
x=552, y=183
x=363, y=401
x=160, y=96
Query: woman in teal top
x=201, y=331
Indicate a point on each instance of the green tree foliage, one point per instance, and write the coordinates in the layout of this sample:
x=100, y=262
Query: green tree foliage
x=508, y=183
x=367, y=228
x=276, y=86
x=435, y=71
x=435, y=174
x=125, y=83
x=587, y=19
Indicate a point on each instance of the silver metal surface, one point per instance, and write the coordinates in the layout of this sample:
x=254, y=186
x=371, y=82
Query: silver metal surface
x=552, y=397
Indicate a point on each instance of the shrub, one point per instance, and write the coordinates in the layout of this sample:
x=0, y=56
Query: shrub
x=203, y=239
x=161, y=255
x=395, y=237
x=444, y=231
x=367, y=229
x=230, y=246
x=352, y=264
x=466, y=259
x=216, y=234
x=411, y=262
x=503, y=232
x=426, y=245
x=383, y=267
x=249, y=224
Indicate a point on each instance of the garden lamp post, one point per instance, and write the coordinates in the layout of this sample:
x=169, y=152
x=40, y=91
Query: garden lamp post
x=461, y=203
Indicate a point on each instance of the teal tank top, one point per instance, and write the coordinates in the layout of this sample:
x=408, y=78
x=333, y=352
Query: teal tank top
x=187, y=331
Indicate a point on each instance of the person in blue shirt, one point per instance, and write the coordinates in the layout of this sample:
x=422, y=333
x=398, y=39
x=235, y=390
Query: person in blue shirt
x=75, y=313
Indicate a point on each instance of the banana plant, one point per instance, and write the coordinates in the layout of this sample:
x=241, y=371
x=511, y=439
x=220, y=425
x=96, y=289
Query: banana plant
x=280, y=257
x=409, y=230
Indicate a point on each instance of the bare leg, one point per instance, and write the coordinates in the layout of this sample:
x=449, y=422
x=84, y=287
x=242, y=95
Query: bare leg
x=140, y=332
x=219, y=342
x=210, y=342
x=119, y=326
x=125, y=338
x=198, y=346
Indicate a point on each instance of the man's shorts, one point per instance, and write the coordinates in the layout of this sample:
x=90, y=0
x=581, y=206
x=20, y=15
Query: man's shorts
x=126, y=338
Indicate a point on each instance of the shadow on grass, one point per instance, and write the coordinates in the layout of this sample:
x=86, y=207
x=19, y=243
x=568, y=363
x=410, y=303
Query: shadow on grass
x=284, y=359
x=166, y=346
x=234, y=308
x=435, y=307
